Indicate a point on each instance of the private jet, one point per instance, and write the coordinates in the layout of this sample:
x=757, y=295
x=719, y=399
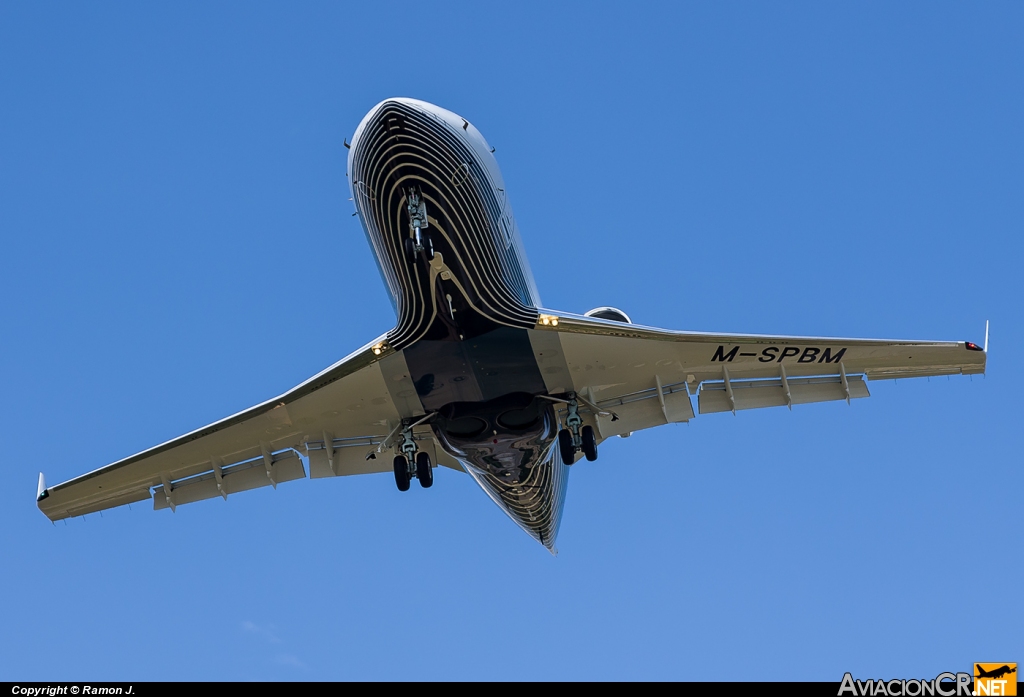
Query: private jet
x=477, y=375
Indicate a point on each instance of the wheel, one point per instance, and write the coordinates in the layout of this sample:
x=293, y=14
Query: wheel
x=423, y=471
x=402, y=473
x=589, y=443
x=425, y=241
x=565, y=446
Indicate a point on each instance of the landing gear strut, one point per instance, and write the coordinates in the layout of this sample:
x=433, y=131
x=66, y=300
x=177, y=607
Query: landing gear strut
x=575, y=436
x=411, y=462
x=420, y=241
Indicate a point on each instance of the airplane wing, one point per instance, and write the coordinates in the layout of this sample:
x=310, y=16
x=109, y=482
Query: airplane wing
x=638, y=377
x=337, y=418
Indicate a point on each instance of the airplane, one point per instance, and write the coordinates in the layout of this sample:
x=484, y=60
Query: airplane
x=477, y=374
x=995, y=673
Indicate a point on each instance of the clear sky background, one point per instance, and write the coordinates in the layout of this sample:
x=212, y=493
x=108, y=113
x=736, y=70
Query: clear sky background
x=177, y=245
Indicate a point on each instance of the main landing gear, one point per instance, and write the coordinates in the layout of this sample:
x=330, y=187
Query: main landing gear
x=420, y=241
x=410, y=463
x=576, y=436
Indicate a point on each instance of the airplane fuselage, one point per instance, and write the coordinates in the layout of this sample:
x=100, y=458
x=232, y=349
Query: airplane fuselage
x=434, y=208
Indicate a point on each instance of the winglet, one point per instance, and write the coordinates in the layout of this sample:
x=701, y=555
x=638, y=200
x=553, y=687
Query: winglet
x=986, y=337
x=41, y=492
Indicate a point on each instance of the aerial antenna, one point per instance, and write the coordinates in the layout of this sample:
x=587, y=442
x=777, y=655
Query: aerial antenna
x=986, y=337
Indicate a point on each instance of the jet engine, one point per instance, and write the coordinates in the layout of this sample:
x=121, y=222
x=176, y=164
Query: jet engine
x=612, y=313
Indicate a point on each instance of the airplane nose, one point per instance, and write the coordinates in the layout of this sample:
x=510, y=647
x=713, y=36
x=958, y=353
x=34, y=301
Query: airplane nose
x=400, y=128
x=389, y=112
x=386, y=118
x=388, y=107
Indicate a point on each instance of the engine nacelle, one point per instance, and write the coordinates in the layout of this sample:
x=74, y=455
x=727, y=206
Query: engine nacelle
x=612, y=313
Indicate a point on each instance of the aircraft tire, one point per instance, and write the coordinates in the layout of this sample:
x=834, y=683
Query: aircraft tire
x=423, y=471
x=565, y=447
x=589, y=443
x=402, y=473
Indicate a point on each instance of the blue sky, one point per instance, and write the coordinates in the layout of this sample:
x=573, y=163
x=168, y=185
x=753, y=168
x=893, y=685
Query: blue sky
x=178, y=245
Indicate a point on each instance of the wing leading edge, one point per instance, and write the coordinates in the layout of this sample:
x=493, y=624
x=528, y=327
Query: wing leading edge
x=642, y=376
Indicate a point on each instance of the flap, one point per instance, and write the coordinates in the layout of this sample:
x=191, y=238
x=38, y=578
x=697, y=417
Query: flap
x=348, y=456
x=661, y=404
x=253, y=474
x=754, y=394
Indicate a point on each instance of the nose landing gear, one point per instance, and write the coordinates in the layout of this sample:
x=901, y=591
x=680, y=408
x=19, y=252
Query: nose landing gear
x=576, y=436
x=418, y=222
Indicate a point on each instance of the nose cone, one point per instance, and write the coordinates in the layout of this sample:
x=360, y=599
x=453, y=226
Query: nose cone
x=398, y=104
x=391, y=114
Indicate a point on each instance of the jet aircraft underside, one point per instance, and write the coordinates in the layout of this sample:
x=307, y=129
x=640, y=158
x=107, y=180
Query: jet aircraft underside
x=476, y=375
